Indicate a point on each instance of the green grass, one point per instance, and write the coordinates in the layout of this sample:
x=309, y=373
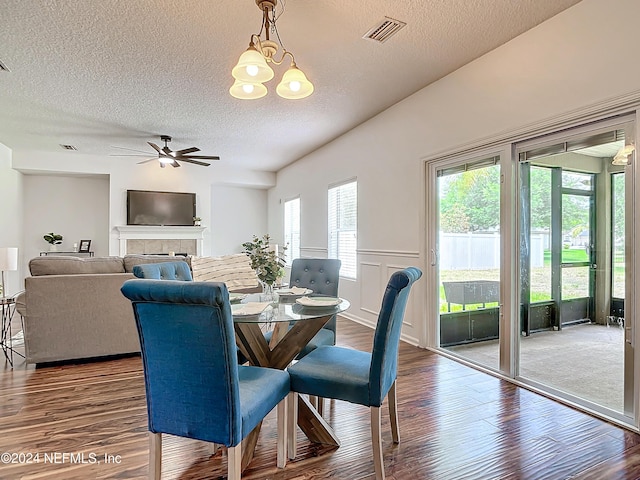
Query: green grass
x=570, y=255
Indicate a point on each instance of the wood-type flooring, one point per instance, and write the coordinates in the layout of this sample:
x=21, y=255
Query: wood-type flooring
x=88, y=421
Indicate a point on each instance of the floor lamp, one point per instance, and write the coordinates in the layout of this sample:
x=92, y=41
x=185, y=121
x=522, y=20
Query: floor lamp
x=8, y=262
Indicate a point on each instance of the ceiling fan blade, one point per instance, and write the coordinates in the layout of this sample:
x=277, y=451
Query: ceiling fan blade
x=132, y=155
x=174, y=164
x=147, y=161
x=186, y=150
x=189, y=160
x=130, y=149
x=155, y=147
x=201, y=157
x=167, y=150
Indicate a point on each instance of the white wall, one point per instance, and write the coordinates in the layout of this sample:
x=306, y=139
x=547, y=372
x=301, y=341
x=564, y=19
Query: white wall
x=237, y=214
x=585, y=55
x=11, y=217
x=75, y=207
x=68, y=210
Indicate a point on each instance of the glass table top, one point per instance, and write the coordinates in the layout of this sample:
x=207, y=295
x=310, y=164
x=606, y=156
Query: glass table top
x=286, y=310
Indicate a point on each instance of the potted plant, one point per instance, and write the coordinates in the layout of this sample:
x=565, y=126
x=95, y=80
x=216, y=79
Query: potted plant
x=267, y=263
x=53, y=239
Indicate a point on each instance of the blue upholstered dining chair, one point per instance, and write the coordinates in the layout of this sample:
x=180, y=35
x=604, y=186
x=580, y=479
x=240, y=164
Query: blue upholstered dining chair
x=178, y=270
x=361, y=377
x=194, y=386
x=322, y=275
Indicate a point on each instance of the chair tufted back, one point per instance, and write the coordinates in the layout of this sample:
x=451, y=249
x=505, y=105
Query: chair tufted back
x=164, y=271
x=321, y=275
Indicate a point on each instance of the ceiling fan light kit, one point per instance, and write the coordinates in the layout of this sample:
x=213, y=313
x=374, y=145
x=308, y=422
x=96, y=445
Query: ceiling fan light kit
x=252, y=69
x=166, y=156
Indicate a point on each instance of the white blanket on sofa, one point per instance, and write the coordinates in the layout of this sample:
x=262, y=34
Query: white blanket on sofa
x=234, y=270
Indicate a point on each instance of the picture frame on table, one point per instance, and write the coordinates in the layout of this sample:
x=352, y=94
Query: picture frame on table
x=85, y=246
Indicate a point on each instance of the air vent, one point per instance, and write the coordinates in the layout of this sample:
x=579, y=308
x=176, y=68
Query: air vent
x=384, y=30
x=68, y=147
x=3, y=67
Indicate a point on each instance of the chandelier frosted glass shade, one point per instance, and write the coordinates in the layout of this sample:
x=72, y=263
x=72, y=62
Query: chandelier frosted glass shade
x=247, y=90
x=294, y=84
x=252, y=67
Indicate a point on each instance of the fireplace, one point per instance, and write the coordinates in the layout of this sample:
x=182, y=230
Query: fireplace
x=155, y=239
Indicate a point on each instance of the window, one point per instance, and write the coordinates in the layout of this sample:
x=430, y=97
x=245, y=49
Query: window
x=292, y=229
x=343, y=226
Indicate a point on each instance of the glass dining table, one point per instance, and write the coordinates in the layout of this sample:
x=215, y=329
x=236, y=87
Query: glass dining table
x=293, y=325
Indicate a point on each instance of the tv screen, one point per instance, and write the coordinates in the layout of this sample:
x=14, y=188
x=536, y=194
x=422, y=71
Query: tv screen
x=160, y=208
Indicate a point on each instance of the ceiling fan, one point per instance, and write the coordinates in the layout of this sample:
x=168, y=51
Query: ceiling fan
x=168, y=157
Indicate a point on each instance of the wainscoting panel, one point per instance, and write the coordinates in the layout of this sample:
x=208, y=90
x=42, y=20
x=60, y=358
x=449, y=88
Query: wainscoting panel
x=370, y=291
x=375, y=268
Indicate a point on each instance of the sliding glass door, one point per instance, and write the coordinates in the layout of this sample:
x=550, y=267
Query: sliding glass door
x=573, y=207
x=531, y=251
x=468, y=253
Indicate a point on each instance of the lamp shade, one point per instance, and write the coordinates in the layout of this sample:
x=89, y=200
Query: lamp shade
x=294, y=84
x=247, y=90
x=8, y=258
x=252, y=67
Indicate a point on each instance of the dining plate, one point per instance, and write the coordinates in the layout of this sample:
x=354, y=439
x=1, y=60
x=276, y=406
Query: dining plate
x=318, y=301
x=236, y=297
x=249, y=308
x=294, y=291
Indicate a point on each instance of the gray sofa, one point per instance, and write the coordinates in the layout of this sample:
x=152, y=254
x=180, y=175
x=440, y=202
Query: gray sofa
x=73, y=308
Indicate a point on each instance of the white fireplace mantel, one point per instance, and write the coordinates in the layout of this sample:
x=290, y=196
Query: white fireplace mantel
x=152, y=232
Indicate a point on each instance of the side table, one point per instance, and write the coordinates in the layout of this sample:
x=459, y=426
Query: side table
x=6, y=342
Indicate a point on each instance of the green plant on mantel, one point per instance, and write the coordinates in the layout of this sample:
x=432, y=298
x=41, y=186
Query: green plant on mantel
x=268, y=264
x=53, y=238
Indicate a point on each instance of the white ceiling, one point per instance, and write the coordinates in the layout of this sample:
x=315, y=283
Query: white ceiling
x=102, y=73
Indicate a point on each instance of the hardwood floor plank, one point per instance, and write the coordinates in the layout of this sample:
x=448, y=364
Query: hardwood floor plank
x=455, y=423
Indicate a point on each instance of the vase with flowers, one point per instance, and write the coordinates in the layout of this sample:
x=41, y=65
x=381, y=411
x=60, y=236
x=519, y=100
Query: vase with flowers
x=268, y=261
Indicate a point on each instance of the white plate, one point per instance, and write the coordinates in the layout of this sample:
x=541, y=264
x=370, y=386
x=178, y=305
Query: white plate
x=294, y=291
x=249, y=308
x=236, y=297
x=319, y=301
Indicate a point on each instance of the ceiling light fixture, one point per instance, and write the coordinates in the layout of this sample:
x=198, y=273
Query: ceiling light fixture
x=252, y=69
x=622, y=157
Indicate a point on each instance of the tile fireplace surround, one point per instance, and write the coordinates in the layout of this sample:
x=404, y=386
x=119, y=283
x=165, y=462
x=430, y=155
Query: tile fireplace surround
x=156, y=239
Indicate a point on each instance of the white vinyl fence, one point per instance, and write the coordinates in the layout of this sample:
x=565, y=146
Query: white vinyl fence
x=481, y=251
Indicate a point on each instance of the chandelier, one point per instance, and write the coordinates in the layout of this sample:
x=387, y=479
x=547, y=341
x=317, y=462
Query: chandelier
x=253, y=70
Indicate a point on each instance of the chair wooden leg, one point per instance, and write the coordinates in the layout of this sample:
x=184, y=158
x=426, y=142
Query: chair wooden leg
x=155, y=456
x=376, y=441
x=234, y=462
x=393, y=413
x=313, y=400
x=292, y=430
x=282, y=413
x=320, y=406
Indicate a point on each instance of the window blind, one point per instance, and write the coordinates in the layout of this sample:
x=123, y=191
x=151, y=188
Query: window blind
x=292, y=229
x=343, y=226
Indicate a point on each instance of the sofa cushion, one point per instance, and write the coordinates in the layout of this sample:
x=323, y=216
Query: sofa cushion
x=233, y=270
x=132, y=260
x=73, y=265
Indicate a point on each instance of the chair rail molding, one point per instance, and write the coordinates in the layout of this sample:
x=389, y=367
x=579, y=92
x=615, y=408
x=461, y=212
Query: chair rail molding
x=388, y=253
x=153, y=232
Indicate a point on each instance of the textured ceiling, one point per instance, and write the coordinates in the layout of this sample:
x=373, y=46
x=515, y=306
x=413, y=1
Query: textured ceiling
x=102, y=73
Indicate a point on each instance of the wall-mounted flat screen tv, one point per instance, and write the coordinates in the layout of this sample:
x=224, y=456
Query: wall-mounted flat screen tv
x=160, y=208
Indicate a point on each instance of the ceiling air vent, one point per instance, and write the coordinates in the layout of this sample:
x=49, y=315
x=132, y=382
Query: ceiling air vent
x=384, y=30
x=68, y=147
x=3, y=67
